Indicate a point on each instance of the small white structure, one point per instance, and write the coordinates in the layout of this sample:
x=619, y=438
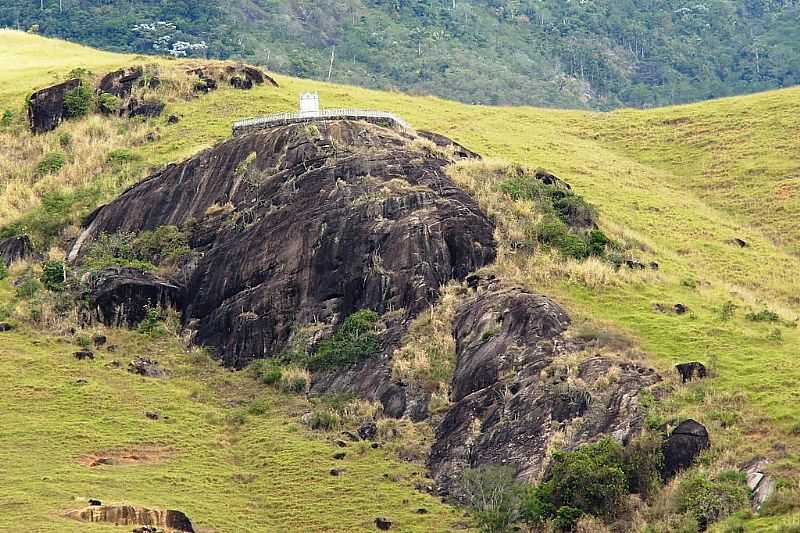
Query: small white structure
x=309, y=105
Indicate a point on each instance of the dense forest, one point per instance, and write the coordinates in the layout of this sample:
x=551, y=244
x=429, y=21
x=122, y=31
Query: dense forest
x=598, y=54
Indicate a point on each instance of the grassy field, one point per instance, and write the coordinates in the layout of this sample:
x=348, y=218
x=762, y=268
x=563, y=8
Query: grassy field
x=681, y=181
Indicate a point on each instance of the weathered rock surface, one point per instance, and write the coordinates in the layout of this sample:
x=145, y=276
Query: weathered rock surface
x=148, y=368
x=129, y=515
x=146, y=109
x=120, y=295
x=17, y=248
x=444, y=142
x=682, y=446
x=513, y=392
x=121, y=82
x=46, y=107
x=762, y=486
x=296, y=225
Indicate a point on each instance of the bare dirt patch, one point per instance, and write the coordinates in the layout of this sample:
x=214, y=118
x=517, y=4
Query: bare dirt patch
x=128, y=456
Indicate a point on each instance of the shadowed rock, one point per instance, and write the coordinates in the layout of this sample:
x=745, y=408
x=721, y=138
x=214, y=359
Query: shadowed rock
x=298, y=225
x=512, y=395
x=120, y=83
x=120, y=295
x=690, y=371
x=443, y=142
x=146, y=109
x=129, y=515
x=46, y=107
x=682, y=446
x=17, y=248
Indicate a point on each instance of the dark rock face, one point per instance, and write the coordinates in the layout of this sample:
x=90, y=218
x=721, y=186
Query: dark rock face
x=46, y=107
x=513, y=394
x=241, y=83
x=119, y=296
x=690, y=371
x=682, y=446
x=120, y=83
x=296, y=225
x=17, y=248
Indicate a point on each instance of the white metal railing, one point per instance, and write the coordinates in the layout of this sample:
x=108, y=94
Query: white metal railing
x=324, y=114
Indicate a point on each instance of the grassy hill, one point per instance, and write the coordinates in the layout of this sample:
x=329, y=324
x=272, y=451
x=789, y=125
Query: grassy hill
x=678, y=182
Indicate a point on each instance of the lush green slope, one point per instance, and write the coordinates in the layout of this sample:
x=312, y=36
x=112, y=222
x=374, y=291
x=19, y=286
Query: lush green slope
x=576, y=54
x=658, y=177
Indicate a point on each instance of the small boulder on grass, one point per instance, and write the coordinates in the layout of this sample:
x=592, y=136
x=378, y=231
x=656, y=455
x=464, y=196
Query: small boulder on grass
x=83, y=355
x=5, y=326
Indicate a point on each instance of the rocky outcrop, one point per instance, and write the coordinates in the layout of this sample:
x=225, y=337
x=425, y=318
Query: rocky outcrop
x=145, y=109
x=240, y=76
x=15, y=249
x=514, y=393
x=120, y=296
x=121, y=82
x=682, y=446
x=762, y=486
x=443, y=142
x=46, y=107
x=302, y=224
x=128, y=515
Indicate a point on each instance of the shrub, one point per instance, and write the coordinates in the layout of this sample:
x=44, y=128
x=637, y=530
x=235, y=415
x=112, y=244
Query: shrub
x=708, y=500
x=151, y=324
x=51, y=163
x=294, y=380
x=77, y=102
x=596, y=242
x=573, y=246
x=494, y=495
x=765, y=315
x=270, y=373
x=54, y=275
x=574, y=210
x=28, y=287
x=108, y=104
x=7, y=118
x=324, y=420
x=143, y=251
x=3, y=270
x=727, y=311
x=163, y=243
x=65, y=140
x=120, y=156
x=567, y=519
x=643, y=460
x=591, y=479
x=355, y=340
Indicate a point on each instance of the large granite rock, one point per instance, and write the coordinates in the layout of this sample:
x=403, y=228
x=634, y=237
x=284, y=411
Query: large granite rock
x=514, y=394
x=46, y=107
x=16, y=249
x=306, y=224
x=128, y=515
x=682, y=446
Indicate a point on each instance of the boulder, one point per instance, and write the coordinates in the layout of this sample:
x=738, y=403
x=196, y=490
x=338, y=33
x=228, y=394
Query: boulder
x=84, y=355
x=145, y=367
x=46, y=107
x=120, y=296
x=321, y=223
x=121, y=82
x=512, y=396
x=368, y=431
x=383, y=524
x=95, y=503
x=129, y=515
x=762, y=486
x=15, y=249
x=146, y=109
x=99, y=340
x=680, y=309
x=682, y=446
x=5, y=326
x=241, y=83
x=690, y=371
x=444, y=142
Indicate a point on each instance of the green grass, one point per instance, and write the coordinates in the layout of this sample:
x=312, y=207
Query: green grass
x=683, y=180
x=228, y=470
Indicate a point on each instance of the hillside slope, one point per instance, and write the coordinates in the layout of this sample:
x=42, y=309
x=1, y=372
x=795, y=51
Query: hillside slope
x=657, y=177
x=570, y=54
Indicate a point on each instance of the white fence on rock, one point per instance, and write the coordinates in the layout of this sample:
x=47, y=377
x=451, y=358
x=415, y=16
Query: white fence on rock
x=282, y=119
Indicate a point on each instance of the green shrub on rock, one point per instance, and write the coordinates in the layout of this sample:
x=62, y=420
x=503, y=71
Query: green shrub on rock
x=354, y=341
x=77, y=102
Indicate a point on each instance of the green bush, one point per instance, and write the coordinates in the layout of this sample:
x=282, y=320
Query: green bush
x=77, y=102
x=596, y=242
x=354, y=341
x=590, y=479
x=3, y=270
x=120, y=156
x=765, y=315
x=28, y=287
x=108, y=104
x=567, y=518
x=295, y=385
x=643, y=460
x=324, y=420
x=494, y=496
x=570, y=245
x=574, y=210
x=710, y=500
x=65, y=140
x=163, y=243
x=51, y=163
x=151, y=324
x=54, y=275
x=271, y=374
x=143, y=251
x=7, y=119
